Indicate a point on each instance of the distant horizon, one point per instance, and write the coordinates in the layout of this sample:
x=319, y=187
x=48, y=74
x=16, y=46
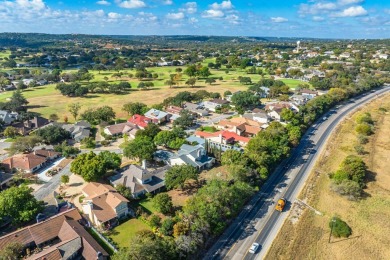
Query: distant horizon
x=202, y=35
x=320, y=19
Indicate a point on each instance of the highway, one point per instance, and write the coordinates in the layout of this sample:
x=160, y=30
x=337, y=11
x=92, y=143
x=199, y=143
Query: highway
x=259, y=222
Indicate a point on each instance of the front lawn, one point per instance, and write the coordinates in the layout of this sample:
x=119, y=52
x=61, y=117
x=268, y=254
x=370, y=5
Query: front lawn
x=125, y=231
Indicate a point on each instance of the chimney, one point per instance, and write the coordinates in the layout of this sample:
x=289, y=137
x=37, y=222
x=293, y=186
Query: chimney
x=220, y=138
x=144, y=164
x=90, y=204
x=124, y=181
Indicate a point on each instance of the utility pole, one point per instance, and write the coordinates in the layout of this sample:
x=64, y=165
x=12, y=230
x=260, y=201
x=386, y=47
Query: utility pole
x=331, y=228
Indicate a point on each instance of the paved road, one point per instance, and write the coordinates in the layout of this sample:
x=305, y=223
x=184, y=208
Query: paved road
x=259, y=222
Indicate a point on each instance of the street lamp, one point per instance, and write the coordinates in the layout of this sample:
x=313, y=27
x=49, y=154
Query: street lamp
x=331, y=228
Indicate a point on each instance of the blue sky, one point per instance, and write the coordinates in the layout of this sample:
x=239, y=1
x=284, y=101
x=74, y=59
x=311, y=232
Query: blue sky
x=287, y=18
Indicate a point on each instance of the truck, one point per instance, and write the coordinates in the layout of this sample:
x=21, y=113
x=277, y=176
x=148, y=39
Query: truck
x=280, y=205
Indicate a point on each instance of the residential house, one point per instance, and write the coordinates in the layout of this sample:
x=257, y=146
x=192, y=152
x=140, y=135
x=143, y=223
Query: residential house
x=223, y=139
x=257, y=115
x=173, y=112
x=103, y=204
x=141, y=180
x=157, y=116
x=195, y=109
x=195, y=155
x=59, y=237
x=8, y=117
x=298, y=99
x=241, y=126
x=214, y=104
x=140, y=121
x=29, y=163
x=127, y=128
x=79, y=130
x=308, y=93
x=29, y=125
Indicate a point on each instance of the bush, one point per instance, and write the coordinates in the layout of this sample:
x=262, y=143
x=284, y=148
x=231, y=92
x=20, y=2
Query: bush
x=154, y=221
x=359, y=149
x=348, y=188
x=365, y=118
x=339, y=227
x=364, y=129
x=362, y=139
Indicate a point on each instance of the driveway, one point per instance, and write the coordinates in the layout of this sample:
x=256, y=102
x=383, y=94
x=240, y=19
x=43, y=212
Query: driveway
x=46, y=190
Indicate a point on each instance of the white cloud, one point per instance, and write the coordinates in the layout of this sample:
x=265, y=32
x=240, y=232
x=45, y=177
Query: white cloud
x=189, y=8
x=350, y=2
x=192, y=20
x=131, y=4
x=103, y=2
x=225, y=5
x=167, y=2
x=318, y=18
x=352, y=11
x=233, y=19
x=114, y=15
x=279, y=19
x=317, y=8
x=27, y=4
x=213, y=14
x=175, y=16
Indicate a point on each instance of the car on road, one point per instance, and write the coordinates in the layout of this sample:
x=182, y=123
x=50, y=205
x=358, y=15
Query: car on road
x=281, y=203
x=254, y=248
x=324, y=118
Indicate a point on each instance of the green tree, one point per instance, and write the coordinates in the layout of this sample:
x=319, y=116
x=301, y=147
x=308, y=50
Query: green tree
x=150, y=131
x=134, y=108
x=170, y=83
x=92, y=166
x=185, y=120
x=154, y=221
x=12, y=251
x=163, y=203
x=339, y=227
x=19, y=204
x=124, y=191
x=148, y=246
x=233, y=157
x=54, y=117
x=74, y=109
x=364, y=129
x=191, y=82
x=167, y=227
x=52, y=134
x=210, y=81
x=65, y=179
x=245, y=100
x=17, y=101
x=24, y=144
x=11, y=132
x=177, y=176
x=142, y=148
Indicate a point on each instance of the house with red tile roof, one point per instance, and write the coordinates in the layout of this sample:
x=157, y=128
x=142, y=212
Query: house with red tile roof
x=59, y=237
x=140, y=121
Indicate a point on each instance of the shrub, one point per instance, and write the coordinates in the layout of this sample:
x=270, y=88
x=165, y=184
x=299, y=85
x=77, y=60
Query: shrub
x=364, y=129
x=339, y=227
x=362, y=139
x=348, y=188
x=154, y=221
x=359, y=149
x=364, y=118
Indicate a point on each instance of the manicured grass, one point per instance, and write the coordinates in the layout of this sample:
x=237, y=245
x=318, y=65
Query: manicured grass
x=146, y=204
x=47, y=100
x=5, y=54
x=210, y=129
x=125, y=231
x=293, y=83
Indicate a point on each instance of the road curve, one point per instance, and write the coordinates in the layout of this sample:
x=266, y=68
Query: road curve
x=258, y=221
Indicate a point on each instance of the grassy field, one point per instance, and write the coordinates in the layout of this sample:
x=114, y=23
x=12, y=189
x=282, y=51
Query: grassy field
x=5, y=54
x=47, y=100
x=305, y=235
x=125, y=231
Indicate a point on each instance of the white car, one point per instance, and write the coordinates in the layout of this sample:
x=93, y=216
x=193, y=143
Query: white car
x=254, y=248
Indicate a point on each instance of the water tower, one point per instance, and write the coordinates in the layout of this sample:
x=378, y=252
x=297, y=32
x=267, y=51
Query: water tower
x=298, y=45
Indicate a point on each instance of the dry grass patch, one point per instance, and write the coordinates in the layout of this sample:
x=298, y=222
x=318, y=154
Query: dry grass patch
x=368, y=218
